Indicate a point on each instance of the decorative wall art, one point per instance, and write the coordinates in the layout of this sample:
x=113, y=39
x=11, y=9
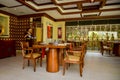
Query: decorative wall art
x=59, y=32
x=49, y=31
x=4, y=25
x=1, y=29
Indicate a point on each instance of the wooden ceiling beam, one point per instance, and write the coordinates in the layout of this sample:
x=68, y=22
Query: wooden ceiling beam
x=69, y=3
x=79, y=5
x=90, y=18
x=81, y=14
x=99, y=13
x=89, y=11
x=103, y=2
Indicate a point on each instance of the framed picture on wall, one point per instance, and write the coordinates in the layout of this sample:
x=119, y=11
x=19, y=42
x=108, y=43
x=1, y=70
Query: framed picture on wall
x=49, y=31
x=4, y=25
x=59, y=32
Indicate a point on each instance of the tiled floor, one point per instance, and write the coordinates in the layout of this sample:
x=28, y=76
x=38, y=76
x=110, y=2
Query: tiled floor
x=97, y=67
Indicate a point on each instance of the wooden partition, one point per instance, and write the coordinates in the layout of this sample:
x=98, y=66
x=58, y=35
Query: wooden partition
x=7, y=48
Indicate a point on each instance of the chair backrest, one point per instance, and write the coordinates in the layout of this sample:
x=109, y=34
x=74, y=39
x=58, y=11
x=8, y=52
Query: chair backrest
x=24, y=45
x=80, y=52
x=101, y=45
x=83, y=51
x=71, y=45
x=85, y=47
x=108, y=44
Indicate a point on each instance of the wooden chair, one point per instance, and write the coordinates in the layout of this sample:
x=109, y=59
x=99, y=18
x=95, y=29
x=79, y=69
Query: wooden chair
x=28, y=54
x=82, y=49
x=105, y=46
x=73, y=59
x=72, y=46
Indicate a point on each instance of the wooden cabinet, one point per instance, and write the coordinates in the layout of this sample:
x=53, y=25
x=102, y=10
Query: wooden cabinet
x=7, y=48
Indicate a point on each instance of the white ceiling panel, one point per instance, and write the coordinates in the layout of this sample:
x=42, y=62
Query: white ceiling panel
x=72, y=16
x=110, y=13
x=72, y=10
x=112, y=1
x=25, y=10
x=67, y=11
x=90, y=14
x=91, y=4
x=22, y=10
x=42, y=1
x=111, y=7
x=65, y=1
x=40, y=7
x=69, y=6
x=9, y=3
x=55, y=14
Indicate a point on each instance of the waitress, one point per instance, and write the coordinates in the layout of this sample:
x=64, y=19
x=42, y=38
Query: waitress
x=29, y=36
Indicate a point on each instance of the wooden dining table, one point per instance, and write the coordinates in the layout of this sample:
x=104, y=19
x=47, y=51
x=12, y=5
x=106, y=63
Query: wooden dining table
x=54, y=56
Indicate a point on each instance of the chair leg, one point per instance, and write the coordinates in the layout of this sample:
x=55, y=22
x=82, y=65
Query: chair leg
x=67, y=65
x=28, y=62
x=34, y=64
x=23, y=63
x=83, y=64
x=109, y=52
x=102, y=52
x=81, y=69
x=64, y=66
x=41, y=61
x=37, y=60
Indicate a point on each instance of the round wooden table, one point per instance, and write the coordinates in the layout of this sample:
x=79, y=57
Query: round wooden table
x=54, y=56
